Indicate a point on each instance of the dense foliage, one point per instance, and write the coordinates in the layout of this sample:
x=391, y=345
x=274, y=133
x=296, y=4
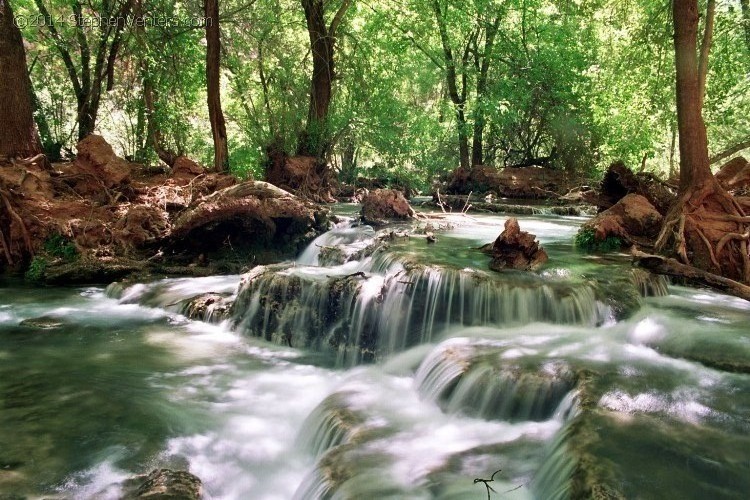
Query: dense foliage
x=566, y=84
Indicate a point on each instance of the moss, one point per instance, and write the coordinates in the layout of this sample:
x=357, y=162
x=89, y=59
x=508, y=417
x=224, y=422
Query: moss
x=57, y=245
x=586, y=241
x=37, y=269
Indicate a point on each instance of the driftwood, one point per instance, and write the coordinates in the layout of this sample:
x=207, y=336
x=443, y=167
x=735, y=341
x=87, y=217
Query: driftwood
x=672, y=267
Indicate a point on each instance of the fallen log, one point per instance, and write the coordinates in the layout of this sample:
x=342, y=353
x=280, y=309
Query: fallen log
x=671, y=267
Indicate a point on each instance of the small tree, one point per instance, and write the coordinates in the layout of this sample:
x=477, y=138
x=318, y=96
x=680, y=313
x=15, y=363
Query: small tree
x=315, y=140
x=213, y=80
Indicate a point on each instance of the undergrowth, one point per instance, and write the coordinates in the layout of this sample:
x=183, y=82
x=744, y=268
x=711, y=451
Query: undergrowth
x=586, y=241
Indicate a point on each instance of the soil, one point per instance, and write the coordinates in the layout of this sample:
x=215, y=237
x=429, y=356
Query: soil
x=101, y=217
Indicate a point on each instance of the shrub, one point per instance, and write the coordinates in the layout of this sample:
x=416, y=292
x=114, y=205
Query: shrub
x=37, y=268
x=586, y=241
x=57, y=245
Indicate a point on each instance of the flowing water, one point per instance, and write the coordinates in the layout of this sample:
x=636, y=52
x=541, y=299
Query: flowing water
x=382, y=367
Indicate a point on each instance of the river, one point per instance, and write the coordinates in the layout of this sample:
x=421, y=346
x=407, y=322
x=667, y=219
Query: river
x=382, y=369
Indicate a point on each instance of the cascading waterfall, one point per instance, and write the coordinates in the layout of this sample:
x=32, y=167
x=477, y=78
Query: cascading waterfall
x=395, y=369
x=475, y=379
x=363, y=317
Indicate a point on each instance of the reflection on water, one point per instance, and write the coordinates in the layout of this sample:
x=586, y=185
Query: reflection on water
x=96, y=387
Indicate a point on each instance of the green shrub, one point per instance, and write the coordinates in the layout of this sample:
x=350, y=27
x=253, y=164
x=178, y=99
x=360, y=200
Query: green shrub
x=37, y=268
x=586, y=241
x=57, y=245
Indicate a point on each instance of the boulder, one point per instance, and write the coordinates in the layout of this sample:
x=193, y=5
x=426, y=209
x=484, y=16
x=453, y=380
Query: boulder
x=633, y=219
x=620, y=181
x=246, y=215
x=382, y=205
x=184, y=167
x=734, y=174
x=523, y=182
x=97, y=159
x=515, y=249
x=164, y=484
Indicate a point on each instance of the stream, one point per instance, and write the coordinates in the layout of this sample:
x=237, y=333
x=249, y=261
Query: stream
x=382, y=367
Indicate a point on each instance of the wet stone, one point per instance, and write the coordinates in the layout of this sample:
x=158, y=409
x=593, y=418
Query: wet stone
x=43, y=323
x=165, y=484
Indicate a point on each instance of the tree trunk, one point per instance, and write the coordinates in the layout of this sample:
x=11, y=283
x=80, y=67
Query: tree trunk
x=314, y=140
x=694, y=165
x=477, y=149
x=458, y=99
x=213, y=77
x=705, y=227
x=746, y=21
x=18, y=134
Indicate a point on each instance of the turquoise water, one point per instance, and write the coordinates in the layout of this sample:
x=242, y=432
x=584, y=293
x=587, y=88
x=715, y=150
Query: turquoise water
x=105, y=388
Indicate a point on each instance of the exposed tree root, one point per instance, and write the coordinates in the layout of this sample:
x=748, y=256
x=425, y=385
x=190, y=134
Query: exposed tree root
x=707, y=229
x=19, y=221
x=671, y=267
x=6, y=250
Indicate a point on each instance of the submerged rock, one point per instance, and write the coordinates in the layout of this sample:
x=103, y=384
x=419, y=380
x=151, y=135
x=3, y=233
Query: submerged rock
x=209, y=307
x=382, y=205
x=477, y=380
x=515, y=249
x=165, y=484
x=43, y=323
x=361, y=317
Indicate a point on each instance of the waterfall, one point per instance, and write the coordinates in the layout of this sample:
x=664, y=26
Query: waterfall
x=475, y=379
x=338, y=245
x=363, y=317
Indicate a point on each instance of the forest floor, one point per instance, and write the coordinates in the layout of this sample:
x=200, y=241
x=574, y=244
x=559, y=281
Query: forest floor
x=100, y=218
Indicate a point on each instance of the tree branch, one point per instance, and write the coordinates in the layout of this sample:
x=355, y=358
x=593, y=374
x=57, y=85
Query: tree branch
x=61, y=48
x=338, y=17
x=708, y=32
x=736, y=148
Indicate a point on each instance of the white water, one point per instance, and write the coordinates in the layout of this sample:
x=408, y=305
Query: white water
x=472, y=373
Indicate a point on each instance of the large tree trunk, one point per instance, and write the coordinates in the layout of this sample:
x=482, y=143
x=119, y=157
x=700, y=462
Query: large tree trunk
x=705, y=227
x=18, y=135
x=694, y=165
x=213, y=77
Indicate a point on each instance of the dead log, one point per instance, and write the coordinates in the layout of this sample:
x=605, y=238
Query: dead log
x=672, y=267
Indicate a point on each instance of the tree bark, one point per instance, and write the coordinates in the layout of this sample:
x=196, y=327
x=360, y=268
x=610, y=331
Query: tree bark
x=213, y=78
x=483, y=67
x=705, y=228
x=18, y=134
x=458, y=99
x=694, y=164
x=87, y=79
x=708, y=32
x=314, y=140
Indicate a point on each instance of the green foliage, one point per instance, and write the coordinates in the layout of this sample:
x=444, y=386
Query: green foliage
x=585, y=83
x=37, y=268
x=59, y=246
x=585, y=240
